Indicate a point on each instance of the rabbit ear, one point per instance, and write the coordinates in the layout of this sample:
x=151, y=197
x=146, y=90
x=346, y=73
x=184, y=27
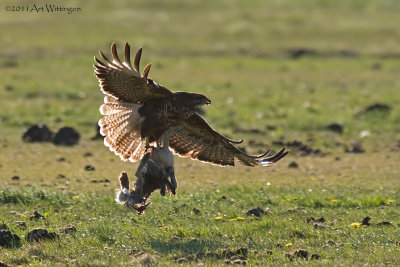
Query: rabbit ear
x=124, y=180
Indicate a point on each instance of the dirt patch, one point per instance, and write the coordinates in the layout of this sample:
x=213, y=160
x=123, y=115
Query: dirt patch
x=258, y=212
x=90, y=168
x=374, y=108
x=36, y=216
x=196, y=211
x=355, y=148
x=38, y=133
x=100, y=181
x=385, y=223
x=301, y=149
x=366, y=221
x=145, y=259
x=66, y=136
x=231, y=256
x=38, y=235
x=300, y=52
x=377, y=107
x=293, y=165
x=312, y=220
x=335, y=127
x=68, y=229
x=315, y=257
x=248, y=130
x=20, y=224
x=8, y=239
x=301, y=253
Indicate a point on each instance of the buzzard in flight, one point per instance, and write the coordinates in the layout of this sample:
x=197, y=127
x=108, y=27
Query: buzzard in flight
x=137, y=111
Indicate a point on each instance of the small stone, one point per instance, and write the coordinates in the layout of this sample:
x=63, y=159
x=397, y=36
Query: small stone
x=146, y=259
x=20, y=224
x=293, y=165
x=290, y=256
x=196, y=211
x=335, y=127
x=89, y=168
x=60, y=176
x=378, y=107
x=315, y=257
x=355, y=148
x=385, y=224
x=36, y=216
x=15, y=178
x=256, y=212
x=301, y=253
x=365, y=221
x=68, y=229
x=182, y=261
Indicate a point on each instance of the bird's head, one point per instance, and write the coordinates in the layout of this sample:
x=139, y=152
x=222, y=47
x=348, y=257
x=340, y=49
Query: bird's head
x=191, y=100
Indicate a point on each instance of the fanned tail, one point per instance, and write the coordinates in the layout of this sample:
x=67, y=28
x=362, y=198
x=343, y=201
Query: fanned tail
x=121, y=124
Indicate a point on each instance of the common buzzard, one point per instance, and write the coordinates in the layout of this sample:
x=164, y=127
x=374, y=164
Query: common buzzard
x=137, y=111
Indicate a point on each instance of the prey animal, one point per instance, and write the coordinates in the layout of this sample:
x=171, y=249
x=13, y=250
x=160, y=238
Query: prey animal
x=155, y=171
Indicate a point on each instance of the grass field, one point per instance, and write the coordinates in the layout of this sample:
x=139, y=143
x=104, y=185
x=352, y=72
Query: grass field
x=276, y=71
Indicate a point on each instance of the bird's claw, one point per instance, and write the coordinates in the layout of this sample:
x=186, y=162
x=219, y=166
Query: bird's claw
x=167, y=185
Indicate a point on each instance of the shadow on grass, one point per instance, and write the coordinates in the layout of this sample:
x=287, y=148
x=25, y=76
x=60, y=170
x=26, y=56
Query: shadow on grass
x=193, y=246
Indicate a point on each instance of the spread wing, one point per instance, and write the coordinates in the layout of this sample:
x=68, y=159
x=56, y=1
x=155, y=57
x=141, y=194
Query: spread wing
x=124, y=82
x=199, y=141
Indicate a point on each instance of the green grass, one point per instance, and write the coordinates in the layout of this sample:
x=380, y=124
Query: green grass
x=111, y=235
x=237, y=53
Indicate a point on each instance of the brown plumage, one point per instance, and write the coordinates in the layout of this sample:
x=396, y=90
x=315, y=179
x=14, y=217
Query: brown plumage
x=137, y=108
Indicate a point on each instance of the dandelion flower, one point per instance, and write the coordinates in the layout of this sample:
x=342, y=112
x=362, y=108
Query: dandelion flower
x=389, y=201
x=218, y=218
x=289, y=244
x=334, y=200
x=75, y=197
x=237, y=219
x=355, y=225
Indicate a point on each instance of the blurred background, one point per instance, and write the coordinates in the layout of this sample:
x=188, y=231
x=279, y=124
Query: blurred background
x=324, y=74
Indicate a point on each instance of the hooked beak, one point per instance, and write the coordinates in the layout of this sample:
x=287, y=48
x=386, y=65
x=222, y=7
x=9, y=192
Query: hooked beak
x=208, y=102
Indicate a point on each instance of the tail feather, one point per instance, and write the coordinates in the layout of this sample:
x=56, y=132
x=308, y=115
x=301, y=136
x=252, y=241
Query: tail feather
x=121, y=126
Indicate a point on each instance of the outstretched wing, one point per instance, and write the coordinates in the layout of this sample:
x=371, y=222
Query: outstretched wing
x=120, y=126
x=124, y=82
x=199, y=141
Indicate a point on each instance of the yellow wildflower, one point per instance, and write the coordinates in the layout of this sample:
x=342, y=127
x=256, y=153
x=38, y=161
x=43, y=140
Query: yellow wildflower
x=334, y=200
x=355, y=225
x=75, y=197
x=389, y=201
x=218, y=218
x=289, y=244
